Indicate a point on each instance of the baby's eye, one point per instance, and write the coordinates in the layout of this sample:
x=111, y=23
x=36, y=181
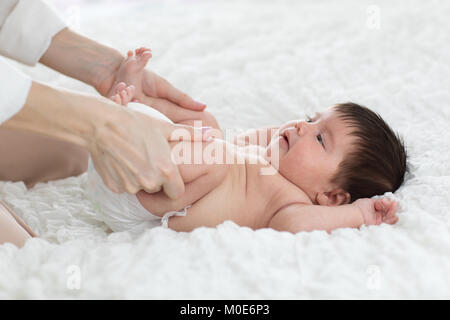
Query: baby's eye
x=319, y=138
x=308, y=119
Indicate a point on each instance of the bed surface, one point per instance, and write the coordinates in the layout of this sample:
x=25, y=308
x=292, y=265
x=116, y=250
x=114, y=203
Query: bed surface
x=258, y=63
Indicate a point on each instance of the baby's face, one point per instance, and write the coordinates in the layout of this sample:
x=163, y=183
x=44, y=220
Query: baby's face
x=310, y=151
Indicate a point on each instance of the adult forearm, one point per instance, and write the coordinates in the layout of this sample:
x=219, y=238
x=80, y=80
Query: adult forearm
x=62, y=114
x=129, y=149
x=83, y=59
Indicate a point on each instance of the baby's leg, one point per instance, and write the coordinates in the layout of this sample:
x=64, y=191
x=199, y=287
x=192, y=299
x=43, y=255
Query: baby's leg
x=131, y=72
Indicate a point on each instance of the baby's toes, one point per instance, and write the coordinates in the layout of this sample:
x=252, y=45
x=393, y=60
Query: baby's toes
x=130, y=91
x=141, y=50
x=116, y=98
x=143, y=58
x=124, y=96
x=120, y=86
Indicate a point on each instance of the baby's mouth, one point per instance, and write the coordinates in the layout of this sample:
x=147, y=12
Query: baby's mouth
x=284, y=136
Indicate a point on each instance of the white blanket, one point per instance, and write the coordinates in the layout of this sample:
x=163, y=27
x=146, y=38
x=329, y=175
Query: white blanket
x=257, y=63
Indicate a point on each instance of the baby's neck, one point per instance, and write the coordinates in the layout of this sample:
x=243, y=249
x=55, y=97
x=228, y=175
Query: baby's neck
x=278, y=189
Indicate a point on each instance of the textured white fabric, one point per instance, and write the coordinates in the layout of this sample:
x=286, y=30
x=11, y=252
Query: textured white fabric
x=258, y=63
x=124, y=212
x=26, y=30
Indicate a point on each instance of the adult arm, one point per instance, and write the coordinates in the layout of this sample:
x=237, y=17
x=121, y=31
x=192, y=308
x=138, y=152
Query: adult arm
x=130, y=150
x=97, y=65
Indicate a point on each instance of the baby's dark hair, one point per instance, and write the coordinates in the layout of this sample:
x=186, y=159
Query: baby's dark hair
x=378, y=162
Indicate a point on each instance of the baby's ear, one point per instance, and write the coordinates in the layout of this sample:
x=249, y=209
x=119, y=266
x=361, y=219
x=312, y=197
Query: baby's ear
x=335, y=197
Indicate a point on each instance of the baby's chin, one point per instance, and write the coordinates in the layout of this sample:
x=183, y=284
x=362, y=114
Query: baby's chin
x=279, y=161
x=278, y=147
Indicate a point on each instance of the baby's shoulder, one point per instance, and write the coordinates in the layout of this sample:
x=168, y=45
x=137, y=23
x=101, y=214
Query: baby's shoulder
x=289, y=194
x=285, y=194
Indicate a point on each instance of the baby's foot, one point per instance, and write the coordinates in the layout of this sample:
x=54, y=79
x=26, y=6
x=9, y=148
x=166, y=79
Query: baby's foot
x=131, y=71
x=123, y=94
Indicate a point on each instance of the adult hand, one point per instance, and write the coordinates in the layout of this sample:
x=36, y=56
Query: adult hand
x=157, y=87
x=130, y=150
x=95, y=64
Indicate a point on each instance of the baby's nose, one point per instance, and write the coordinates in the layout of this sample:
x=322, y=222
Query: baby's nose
x=300, y=126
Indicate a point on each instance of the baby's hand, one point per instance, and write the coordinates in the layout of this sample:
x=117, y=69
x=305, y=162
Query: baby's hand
x=376, y=211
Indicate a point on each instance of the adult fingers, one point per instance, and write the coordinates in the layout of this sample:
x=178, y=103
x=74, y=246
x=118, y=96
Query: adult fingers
x=125, y=179
x=164, y=173
x=105, y=174
x=173, y=186
x=168, y=175
x=180, y=98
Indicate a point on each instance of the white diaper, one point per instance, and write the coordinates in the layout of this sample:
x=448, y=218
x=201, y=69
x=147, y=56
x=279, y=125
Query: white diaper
x=124, y=212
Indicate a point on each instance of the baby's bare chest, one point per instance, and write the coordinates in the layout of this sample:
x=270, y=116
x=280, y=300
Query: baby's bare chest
x=230, y=200
x=248, y=197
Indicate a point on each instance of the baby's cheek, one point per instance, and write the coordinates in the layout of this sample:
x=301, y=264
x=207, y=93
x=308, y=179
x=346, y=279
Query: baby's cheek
x=293, y=162
x=307, y=162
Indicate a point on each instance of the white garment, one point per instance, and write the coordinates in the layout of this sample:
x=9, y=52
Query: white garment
x=124, y=212
x=26, y=30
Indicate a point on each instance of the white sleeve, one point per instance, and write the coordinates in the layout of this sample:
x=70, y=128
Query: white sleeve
x=26, y=29
x=14, y=90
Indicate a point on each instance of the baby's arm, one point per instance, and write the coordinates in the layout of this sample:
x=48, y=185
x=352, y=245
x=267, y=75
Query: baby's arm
x=303, y=217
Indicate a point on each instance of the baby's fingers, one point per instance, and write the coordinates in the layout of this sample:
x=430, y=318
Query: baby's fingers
x=379, y=205
x=392, y=209
x=389, y=216
x=383, y=205
x=387, y=209
x=391, y=220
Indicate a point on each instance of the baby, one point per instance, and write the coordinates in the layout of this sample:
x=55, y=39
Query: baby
x=312, y=174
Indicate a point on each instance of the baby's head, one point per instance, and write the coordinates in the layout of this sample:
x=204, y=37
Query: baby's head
x=343, y=154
